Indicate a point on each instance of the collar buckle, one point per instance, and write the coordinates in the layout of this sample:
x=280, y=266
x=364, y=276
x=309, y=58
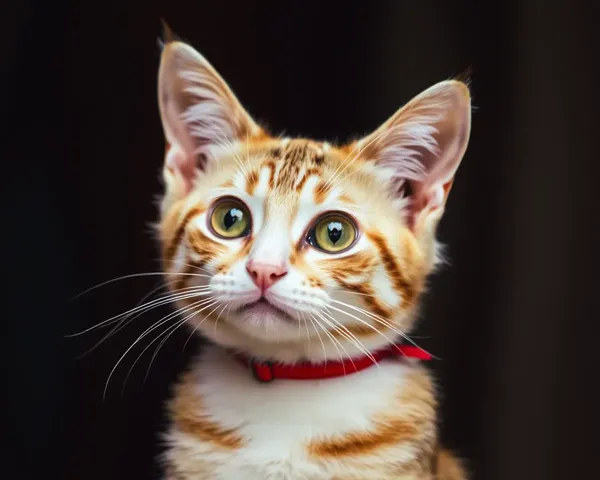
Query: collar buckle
x=263, y=371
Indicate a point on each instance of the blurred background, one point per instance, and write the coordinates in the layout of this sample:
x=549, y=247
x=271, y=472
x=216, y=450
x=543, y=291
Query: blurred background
x=513, y=317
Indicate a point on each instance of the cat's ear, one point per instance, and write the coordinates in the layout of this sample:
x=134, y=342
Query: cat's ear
x=199, y=114
x=421, y=146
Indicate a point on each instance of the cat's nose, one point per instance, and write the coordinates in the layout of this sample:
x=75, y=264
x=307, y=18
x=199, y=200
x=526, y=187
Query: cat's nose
x=264, y=275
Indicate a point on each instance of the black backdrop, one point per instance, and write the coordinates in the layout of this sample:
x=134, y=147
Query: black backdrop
x=513, y=317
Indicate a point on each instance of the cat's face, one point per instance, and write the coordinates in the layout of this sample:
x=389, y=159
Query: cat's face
x=291, y=247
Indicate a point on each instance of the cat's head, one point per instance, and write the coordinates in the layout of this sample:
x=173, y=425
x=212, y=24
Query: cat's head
x=294, y=248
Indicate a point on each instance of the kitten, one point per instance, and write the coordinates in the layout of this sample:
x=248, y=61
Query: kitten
x=303, y=263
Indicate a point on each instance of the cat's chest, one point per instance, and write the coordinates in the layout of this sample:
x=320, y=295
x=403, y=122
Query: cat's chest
x=276, y=423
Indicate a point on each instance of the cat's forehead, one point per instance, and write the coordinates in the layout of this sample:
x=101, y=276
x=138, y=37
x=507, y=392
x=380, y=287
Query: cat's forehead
x=300, y=152
x=290, y=173
x=292, y=161
x=287, y=167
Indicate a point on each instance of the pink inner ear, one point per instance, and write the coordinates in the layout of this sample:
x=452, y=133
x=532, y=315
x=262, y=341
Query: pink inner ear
x=424, y=142
x=179, y=163
x=451, y=138
x=198, y=111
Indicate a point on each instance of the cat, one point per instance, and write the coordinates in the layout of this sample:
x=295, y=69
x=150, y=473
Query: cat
x=302, y=263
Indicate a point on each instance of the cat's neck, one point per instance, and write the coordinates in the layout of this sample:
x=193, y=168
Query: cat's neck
x=316, y=350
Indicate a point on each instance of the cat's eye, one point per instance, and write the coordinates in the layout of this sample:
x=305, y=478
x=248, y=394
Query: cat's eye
x=230, y=218
x=333, y=233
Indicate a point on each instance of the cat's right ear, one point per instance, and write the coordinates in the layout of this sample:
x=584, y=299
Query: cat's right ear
x=199, y=113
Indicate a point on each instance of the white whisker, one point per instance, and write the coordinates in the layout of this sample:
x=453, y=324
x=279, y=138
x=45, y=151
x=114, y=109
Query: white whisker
x=173, y=298
x=123, y=320
x=146, y=332
x=219, y=315
x=373, y=316
x=133, y=275
x=343, y=330
x=176, y=325
x=312, y=320
x=193, y=314
x=383, y=321
x=333, y=341
x=147, y=306
x=305, y=326
x=362, y=321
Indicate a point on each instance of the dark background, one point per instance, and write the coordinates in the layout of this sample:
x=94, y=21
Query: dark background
x=513, y=317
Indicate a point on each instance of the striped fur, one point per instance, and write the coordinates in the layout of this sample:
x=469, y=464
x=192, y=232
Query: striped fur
x=376, y=424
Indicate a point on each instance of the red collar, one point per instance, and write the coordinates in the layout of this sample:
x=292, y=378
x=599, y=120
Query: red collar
x=267, y=371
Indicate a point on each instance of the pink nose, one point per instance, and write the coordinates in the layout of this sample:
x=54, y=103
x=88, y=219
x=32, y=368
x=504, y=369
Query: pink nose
x=264, y=275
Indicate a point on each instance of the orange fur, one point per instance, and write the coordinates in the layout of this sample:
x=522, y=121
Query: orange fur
x=408, y=423
x=449, y=467
x=190, y=417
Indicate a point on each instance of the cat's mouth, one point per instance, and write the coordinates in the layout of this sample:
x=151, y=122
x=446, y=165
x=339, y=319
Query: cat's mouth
x=263, y=307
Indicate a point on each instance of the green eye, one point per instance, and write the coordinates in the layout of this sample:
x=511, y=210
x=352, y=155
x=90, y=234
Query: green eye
x=230, y=219
x=333, y=233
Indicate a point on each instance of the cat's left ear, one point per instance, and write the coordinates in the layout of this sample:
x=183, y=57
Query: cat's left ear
x=199, y=114
x=421, y=146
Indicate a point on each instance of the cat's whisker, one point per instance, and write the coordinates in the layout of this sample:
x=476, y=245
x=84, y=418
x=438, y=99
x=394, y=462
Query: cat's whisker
x=143, y=308
x=219, y=315
x=381, y=320
x=119, y=327
x=202, y=288
x=177, y=324
x=388, y=325
x=316, y=327
x=306, y=327
x=210, y=313
x=167, y=337
x=334, y=342
x=385, y=323
x=355, y=293
x=132, y=275
x=175, y=313
x=375, y=329
x=198, y=326
x=116, y=328
x=349, y=335
x=377, y=318
x=174, y=327
x=197, y=266
x=183, y=291
x=147, y=331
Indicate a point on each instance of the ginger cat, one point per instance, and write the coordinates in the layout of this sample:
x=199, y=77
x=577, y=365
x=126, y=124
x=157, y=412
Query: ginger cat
x=303, y=263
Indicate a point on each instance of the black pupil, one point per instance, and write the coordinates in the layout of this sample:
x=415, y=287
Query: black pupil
x=334, y=230
x=232, y=216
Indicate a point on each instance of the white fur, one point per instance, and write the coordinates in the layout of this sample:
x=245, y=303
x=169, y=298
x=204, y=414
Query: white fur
x=278, y=420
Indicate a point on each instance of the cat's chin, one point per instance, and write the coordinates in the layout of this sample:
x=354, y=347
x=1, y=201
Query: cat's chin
x=264, y=321
x=263, y=308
